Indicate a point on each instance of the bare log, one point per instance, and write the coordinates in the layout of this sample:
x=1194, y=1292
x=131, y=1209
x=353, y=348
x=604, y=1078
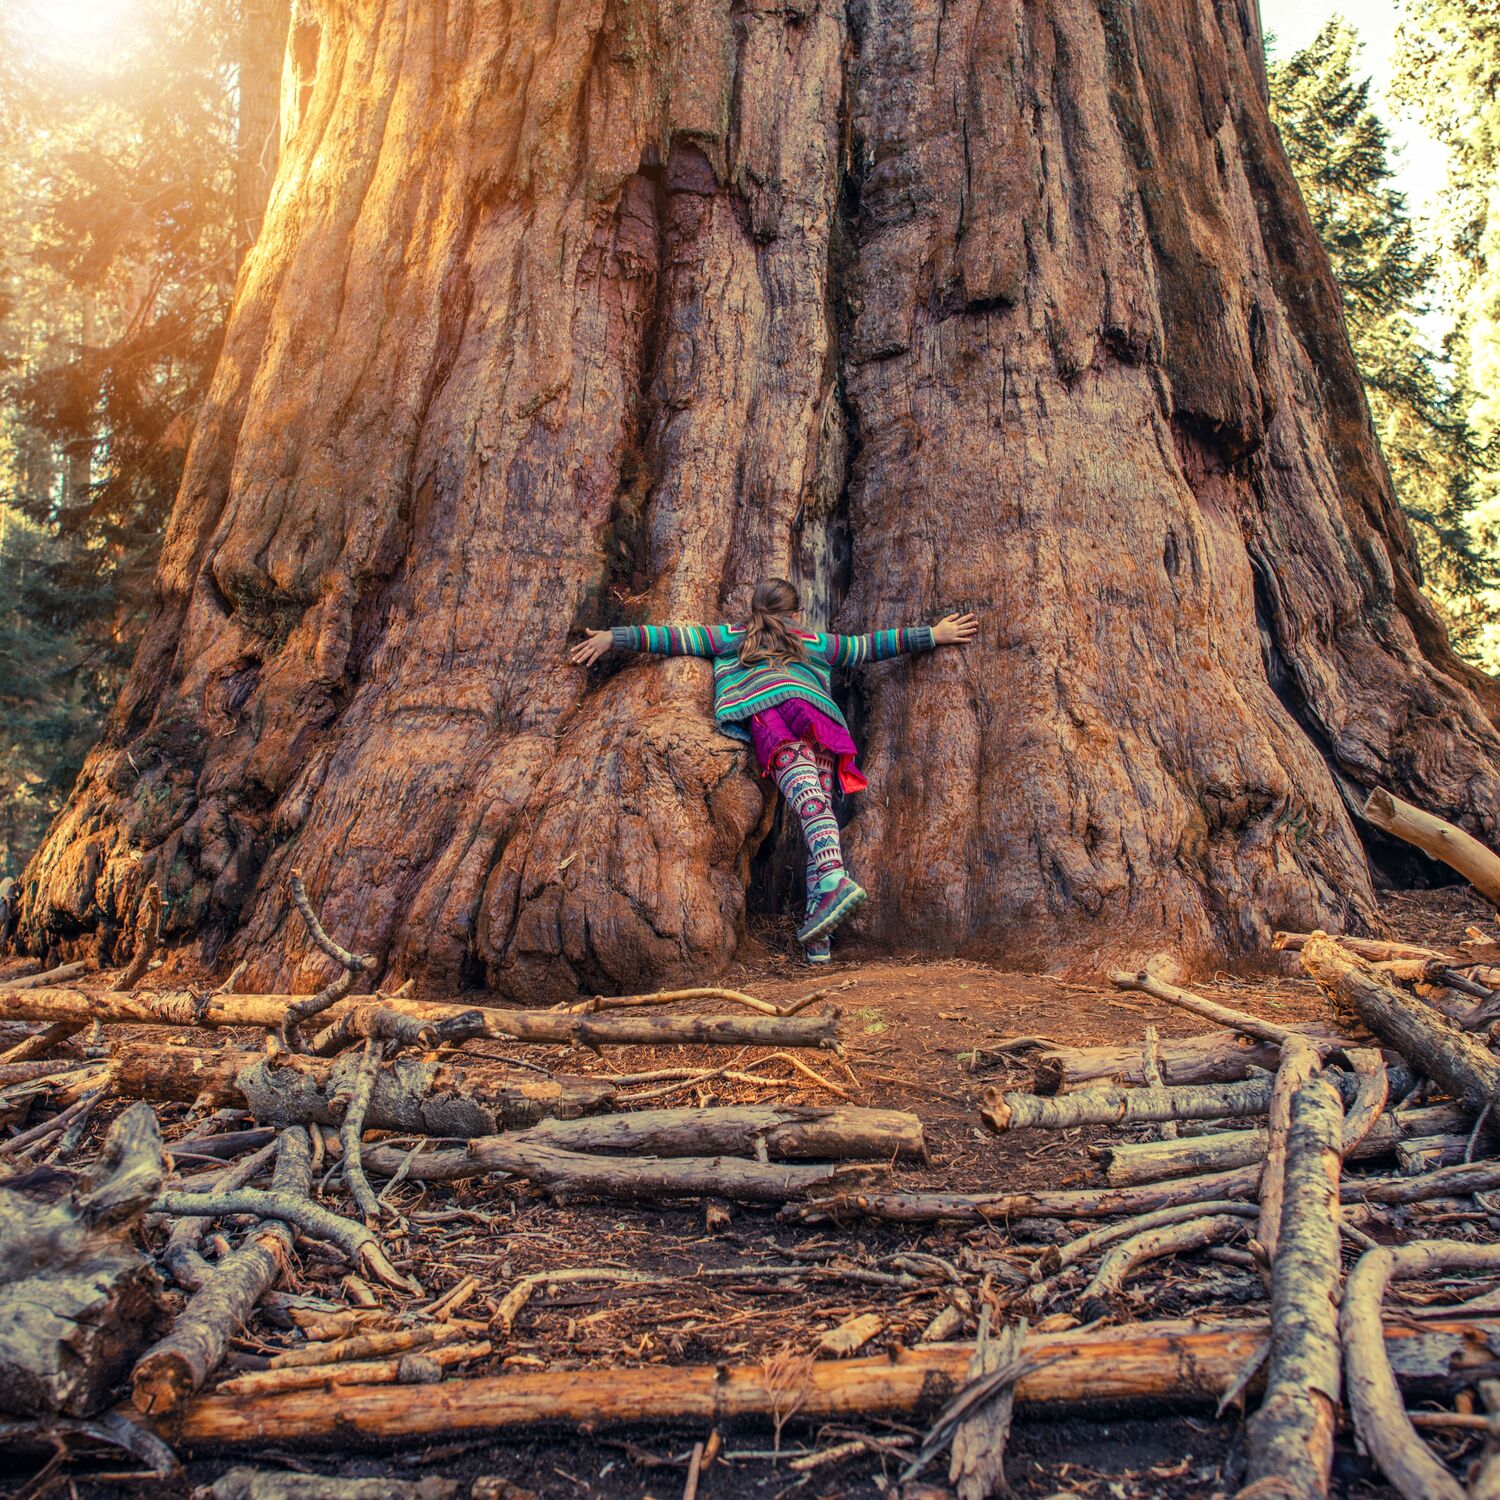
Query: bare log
x=266, y=1484
x=1291, y=1434
x=1374, y=1399
x=1213, y=1057
x=1375, y=949
x=1444, y=1182
x=1016, y=1110
x=411, y=1094
x=1430, y=1043
x=1435, y=836
x=1004, y=1111
x=1151, y=1244
x=1058, y=1258
x=1129, y=1162
x=390, y=1371
x=785, y=1133
x=60, y=975
x=1299, y=1062
x=1170, y=1361
x=182, y=1362
x=42, y=1043
x=184, y=1008
x=1063, y=1203
x=77, y=1300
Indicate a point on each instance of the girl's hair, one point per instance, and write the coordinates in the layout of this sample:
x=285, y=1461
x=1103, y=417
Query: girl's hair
x=769, y=636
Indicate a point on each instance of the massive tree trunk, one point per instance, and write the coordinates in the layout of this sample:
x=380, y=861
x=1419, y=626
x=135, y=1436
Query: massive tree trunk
x=577, y=314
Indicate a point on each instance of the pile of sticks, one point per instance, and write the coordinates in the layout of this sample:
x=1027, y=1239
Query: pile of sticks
x=1293, y=1170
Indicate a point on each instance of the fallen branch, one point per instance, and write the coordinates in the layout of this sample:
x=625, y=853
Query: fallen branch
x=353, y=1239
x=1433, y=835
x=185, y=1008
x=1148, y=984
x=412, y=1094
x=1169, y=1361
x=1299, y=1062
x=783, y=1133
x=169, y=1372
x=1128, y=1162
x=1374, y=1400
x=1426, y=1040
x=352, y=1129
x=1291, y=1434
x=1151, y=1244
x=41, y=1044
x=60, y=975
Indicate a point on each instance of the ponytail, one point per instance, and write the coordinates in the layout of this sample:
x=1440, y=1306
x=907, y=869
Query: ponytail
x=770, y=637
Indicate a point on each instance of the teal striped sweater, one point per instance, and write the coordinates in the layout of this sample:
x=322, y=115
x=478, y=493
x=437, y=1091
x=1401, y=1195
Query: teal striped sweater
x=740, y=692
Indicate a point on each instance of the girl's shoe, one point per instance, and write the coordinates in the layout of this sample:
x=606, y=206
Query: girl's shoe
x=833, y=906
x=819, y=951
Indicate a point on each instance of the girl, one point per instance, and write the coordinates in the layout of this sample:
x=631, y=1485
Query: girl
x=773, y=676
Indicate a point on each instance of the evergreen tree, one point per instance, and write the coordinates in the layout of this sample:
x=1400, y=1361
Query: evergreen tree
x=1339, y=149
x=122, y=225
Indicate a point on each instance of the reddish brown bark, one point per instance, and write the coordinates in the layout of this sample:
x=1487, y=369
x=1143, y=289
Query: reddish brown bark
x=602, y=311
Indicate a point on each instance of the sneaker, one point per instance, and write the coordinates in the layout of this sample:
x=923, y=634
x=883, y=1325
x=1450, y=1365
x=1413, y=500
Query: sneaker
x=833, y=906
x=819, y=951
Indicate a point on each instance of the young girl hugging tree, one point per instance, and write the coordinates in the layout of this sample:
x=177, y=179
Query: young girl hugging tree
x=772, y=687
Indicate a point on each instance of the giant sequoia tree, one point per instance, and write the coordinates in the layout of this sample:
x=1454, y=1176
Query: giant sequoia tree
x=577, y=313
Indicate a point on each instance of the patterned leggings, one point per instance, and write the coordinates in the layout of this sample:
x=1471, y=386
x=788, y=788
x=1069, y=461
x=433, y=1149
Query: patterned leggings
x=805, y=778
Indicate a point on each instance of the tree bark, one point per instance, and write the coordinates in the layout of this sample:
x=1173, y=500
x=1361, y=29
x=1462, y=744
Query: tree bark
x=1170, y=1361
x=566, y=318
x=77, y=1299
x=411, y=1094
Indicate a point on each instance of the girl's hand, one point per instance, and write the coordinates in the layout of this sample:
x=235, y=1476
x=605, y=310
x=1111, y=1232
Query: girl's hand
x=594, y=645
x=955, y=630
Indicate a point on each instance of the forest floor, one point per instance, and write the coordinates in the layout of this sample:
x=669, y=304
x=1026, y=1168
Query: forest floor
x=918, y=1036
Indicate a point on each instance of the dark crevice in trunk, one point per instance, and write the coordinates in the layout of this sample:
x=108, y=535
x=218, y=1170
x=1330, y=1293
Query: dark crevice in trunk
x=1394, y=864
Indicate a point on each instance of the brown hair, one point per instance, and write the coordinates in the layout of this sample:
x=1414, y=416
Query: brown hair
x=770, y=636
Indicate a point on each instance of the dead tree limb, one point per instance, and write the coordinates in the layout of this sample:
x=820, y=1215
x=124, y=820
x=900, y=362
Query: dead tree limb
x=1148, y=984
x=1375, y=949
x=1368, y=1106
x=1151, y=1244
x=1151, y=1067
x=1129, y=1162
x=181, y=1258
x=42, y=1043
x=1299, y=1062
x=1170, y=1361
x=169, y=1372
x=352, y=1130
x=77, y=1299
x=1213, y=1057
x=185, y=1008
x=353, y=1239
x=1004, y=1111
x=1455, y=848
x=1374, y=1399
x=350, y=965
x=785, y=1133
x=60, y=975
x=1291, y=1434
x=1425, y=1039
x=411, y=1094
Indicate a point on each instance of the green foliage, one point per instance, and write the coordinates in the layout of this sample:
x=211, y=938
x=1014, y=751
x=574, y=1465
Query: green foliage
x=1340, y=151
x=1448, y=73
x=117, y=265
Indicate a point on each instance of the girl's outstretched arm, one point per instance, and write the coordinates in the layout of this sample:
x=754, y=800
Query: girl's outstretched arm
x=663, y=640
x=879, y=645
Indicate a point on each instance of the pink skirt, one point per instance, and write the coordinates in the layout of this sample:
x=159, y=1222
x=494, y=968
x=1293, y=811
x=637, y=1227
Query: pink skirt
x=796, y=719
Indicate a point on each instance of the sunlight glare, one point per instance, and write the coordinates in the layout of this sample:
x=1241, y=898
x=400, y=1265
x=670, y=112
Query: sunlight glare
x=86, y=32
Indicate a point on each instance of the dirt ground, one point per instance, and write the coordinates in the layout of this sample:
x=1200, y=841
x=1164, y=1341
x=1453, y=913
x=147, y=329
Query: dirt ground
x=918, y=1036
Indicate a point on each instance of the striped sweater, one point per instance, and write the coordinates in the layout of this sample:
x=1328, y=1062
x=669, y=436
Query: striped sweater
x=740, y=692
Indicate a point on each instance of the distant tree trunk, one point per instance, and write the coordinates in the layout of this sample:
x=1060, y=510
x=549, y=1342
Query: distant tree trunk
x=602, y=311
x=262, y=52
